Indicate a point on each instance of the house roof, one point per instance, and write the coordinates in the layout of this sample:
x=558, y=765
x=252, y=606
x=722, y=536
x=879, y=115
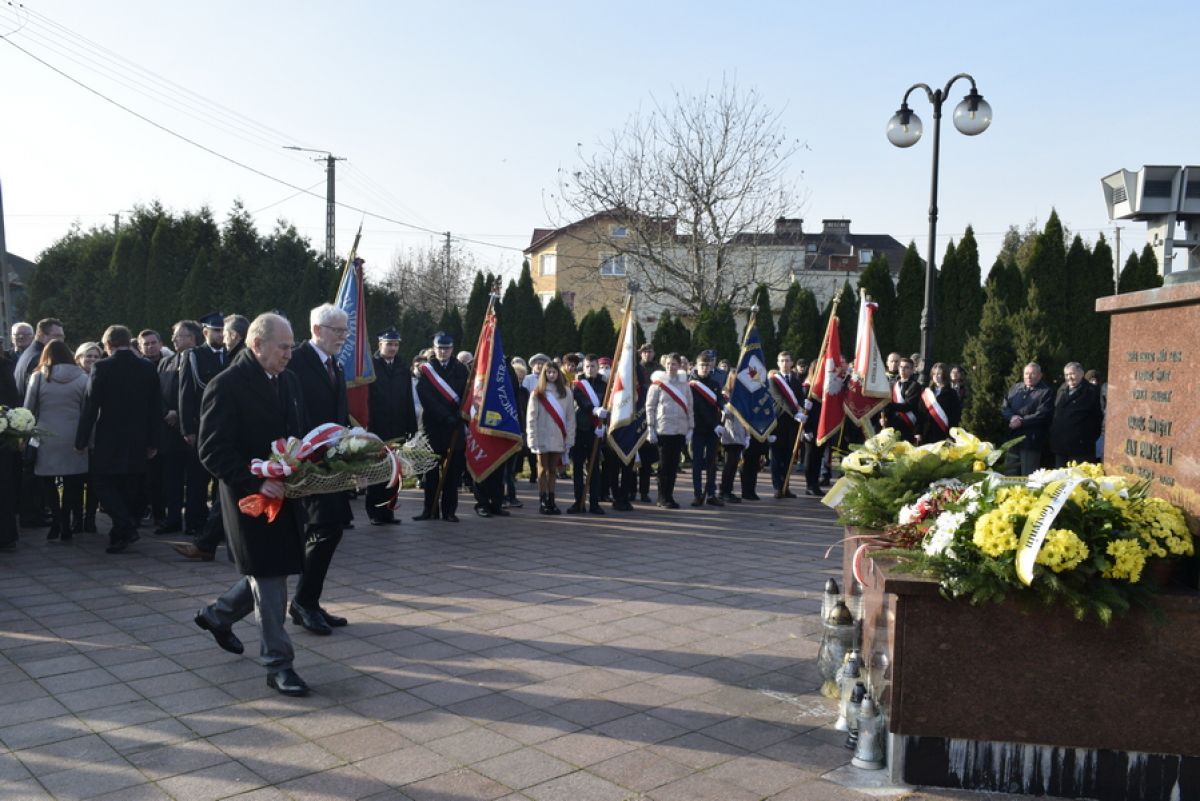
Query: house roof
x=541, y=236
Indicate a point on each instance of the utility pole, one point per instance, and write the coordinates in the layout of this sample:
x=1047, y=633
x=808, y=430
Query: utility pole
x=7, y=315
x=330, y=203
x=1117, y=264
x=117, y=223
x=446, y=270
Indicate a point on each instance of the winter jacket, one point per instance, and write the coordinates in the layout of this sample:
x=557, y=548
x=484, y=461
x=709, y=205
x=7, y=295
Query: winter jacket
x=542, y=432
x=663, y=414
x=59, y=404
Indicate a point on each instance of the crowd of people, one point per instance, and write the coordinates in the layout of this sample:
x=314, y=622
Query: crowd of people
x=165, y=435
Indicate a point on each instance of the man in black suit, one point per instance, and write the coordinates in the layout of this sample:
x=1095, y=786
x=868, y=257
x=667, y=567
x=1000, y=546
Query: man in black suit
x=1078, y=418
x=323, y=388
x=122, y=415
x=186, y=479
x=901, y=413
x=244, y=410
x=9, y=460
x=440, y=388
x=390, y=404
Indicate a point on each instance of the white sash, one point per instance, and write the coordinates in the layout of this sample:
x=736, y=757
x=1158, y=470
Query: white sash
x=786, y=390
x=705, y=392
x=440, y=384
x=935, y=410
x=589, y=390
x=908, y=418
x=551, y=404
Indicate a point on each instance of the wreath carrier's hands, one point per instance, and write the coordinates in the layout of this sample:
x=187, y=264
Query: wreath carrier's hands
x=602, y=413
x=272, y=488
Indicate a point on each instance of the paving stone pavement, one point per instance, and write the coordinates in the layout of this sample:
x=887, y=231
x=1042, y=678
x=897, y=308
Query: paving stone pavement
x=645, y=656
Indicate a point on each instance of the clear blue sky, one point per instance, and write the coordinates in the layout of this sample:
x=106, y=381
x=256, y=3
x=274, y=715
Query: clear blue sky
x=456, y=116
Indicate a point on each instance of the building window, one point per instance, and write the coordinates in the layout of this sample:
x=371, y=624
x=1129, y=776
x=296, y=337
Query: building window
x=619, y=232
x=612, y=265
x=811, y=247
x=546, y=297
x=865, y=255
x=548, y=263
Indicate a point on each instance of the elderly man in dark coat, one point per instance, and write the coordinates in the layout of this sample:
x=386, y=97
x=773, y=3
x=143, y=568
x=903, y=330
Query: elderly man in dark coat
x=1027, y=411
x=246, y=408
x=122, y=419
x=1078, y=418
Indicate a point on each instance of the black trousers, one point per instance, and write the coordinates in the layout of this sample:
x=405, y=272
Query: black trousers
x=155, y=489
x=649, y=456
x=323, y=539
x=812, y=466
x=489, y=493
x=581, y=455
x=752, y=458
x=454, y=473
x=72, y=500
x=10, y=471
x=733, y=455
x=186, y=489
x=670, y=449
x=381, y=502
x=29, y=498
x=781, y=452
x=119, y=494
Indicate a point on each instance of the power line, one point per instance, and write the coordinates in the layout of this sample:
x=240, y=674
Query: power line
x=236, y=162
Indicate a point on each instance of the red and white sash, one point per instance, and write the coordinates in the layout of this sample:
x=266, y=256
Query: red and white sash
x=665, y=387
x=935, y=410
x=706, y=393
x=552, y=406
x=785, y=389
x=584, y=386
x=908, y=418
x=440, y=384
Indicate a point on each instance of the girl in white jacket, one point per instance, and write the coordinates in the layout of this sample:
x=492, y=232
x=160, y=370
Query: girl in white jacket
x=550, y=428
x=669, y=418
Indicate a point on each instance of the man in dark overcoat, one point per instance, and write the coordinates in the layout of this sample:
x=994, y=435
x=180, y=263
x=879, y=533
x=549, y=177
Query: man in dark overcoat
x=1078, y=418
x=323, y=387
x=122, y=417
x=1028, y=409
x=440, y=387
x=391, y=413
x=244, y=410
x=9, y=460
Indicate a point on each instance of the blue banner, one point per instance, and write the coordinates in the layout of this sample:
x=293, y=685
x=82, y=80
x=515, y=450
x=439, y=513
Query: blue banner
x=493, y=418
x=749, y=395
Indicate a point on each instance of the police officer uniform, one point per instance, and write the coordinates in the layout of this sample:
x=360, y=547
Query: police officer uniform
x=392, y=416
x=440, y=388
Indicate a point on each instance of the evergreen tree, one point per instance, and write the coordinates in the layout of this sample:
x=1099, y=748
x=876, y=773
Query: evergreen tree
x=716, y=330
x=1092, y=337
x=523, y=315
x=766, y=325
x=477, y=303
x=1047, y=274
x=165, y=273
x=960, y=299
x=239, y=262
x=559, y=332
x=451, y=322
x=597, y=332
x=127, y=272
x=910, y=300
x=1032, y=340
x=1130, y=279
x=1149, y=264
x=1079, y=302
x=671, y=336
x=310, y=293
x=847, y=312
x=989, y=356
x=787, y=313
x=1004, y=283
x=876, y=279
x=807, y=327
x=638, y=333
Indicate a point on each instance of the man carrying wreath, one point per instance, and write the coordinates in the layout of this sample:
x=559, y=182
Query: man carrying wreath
x=244, y=409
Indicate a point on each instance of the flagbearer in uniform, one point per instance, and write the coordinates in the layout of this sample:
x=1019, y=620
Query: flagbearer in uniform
x=787, y=390
x=390, y=404
x=440, y=387
x=590, y=414
x=707, y=404
x=323, y=390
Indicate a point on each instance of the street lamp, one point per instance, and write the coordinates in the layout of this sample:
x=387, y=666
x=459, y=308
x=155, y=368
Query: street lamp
x=971, y=117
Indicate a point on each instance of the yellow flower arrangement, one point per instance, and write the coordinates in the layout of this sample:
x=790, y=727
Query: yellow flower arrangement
x=1128, y=560
x=1161, y=527
x=994, y=533
x=1062, y=550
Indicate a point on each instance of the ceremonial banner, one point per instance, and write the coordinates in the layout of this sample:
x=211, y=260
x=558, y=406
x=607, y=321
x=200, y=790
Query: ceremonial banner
x=627, y=423
x=749, y=396
x=490, y=406
x=1038, y=524
x=826, y=385
x=355, y=356
x=867, y=390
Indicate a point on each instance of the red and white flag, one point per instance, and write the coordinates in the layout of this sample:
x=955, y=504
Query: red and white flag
x=828, y=386
x=868, y=389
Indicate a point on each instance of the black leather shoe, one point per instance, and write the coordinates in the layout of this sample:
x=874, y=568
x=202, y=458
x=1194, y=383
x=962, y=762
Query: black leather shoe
x=644, y=498
x=423, y=516
x=482, y=511
x=333, y=620
x=514, y=503
x=224, y=637
x=118, y=546
x=715, y=501
x=575, y=508
x=312, y=621
x=595, y=509
x=288, y=682
x=500, y=511
x=450, y=518
x=168, y=528
x=698, y=500
x=813, y=491
x=729, y=497
x=750, y=496
x=622, y=506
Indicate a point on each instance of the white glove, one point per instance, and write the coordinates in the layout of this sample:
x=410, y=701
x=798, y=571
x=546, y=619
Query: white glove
x=746, y=442
x=807, y=404
x=602, y=413
x=653, y=438
x=771, y=438
x=598, y=431
x=799, y=417
x=689, y=438
x=808, y=436
x=719, y=431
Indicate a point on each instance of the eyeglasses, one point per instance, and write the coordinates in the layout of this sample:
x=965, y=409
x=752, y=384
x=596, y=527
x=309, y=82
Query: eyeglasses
x=335, y=329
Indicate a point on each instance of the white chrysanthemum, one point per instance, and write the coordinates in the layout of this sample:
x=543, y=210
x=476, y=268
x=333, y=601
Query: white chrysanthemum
x=1040, y=478
x=942, y=534
x=909, y=514
x=21, y=420
x=3, y=423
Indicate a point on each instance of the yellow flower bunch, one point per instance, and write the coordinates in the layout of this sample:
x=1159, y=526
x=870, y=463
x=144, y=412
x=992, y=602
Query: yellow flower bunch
x=1128, y=558
x=1062, y=550
x=1161, y=527
x=1119, y=502
x=994, y=533
x=1016, y=501
x=1089, y=469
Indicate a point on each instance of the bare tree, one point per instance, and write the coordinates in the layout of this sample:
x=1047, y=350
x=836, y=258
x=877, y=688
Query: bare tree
x=423, y=278
x=691, y=187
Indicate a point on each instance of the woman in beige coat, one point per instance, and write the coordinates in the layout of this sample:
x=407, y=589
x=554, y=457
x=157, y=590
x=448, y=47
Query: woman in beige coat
x=669, y=418
x=550, y=429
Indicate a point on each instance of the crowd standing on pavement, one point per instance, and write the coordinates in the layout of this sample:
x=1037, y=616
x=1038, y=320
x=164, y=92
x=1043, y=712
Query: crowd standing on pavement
x=163, y=435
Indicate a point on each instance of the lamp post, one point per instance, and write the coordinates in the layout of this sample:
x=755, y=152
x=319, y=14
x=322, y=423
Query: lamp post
x=971, y=117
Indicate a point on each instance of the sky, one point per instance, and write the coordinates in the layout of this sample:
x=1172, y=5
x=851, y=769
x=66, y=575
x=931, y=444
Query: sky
x=457, y=116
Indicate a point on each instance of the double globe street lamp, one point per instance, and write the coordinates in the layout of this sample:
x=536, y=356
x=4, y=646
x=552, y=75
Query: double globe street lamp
x=971, y=117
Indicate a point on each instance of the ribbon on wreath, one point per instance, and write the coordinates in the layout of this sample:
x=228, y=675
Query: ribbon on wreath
x=286, y=455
